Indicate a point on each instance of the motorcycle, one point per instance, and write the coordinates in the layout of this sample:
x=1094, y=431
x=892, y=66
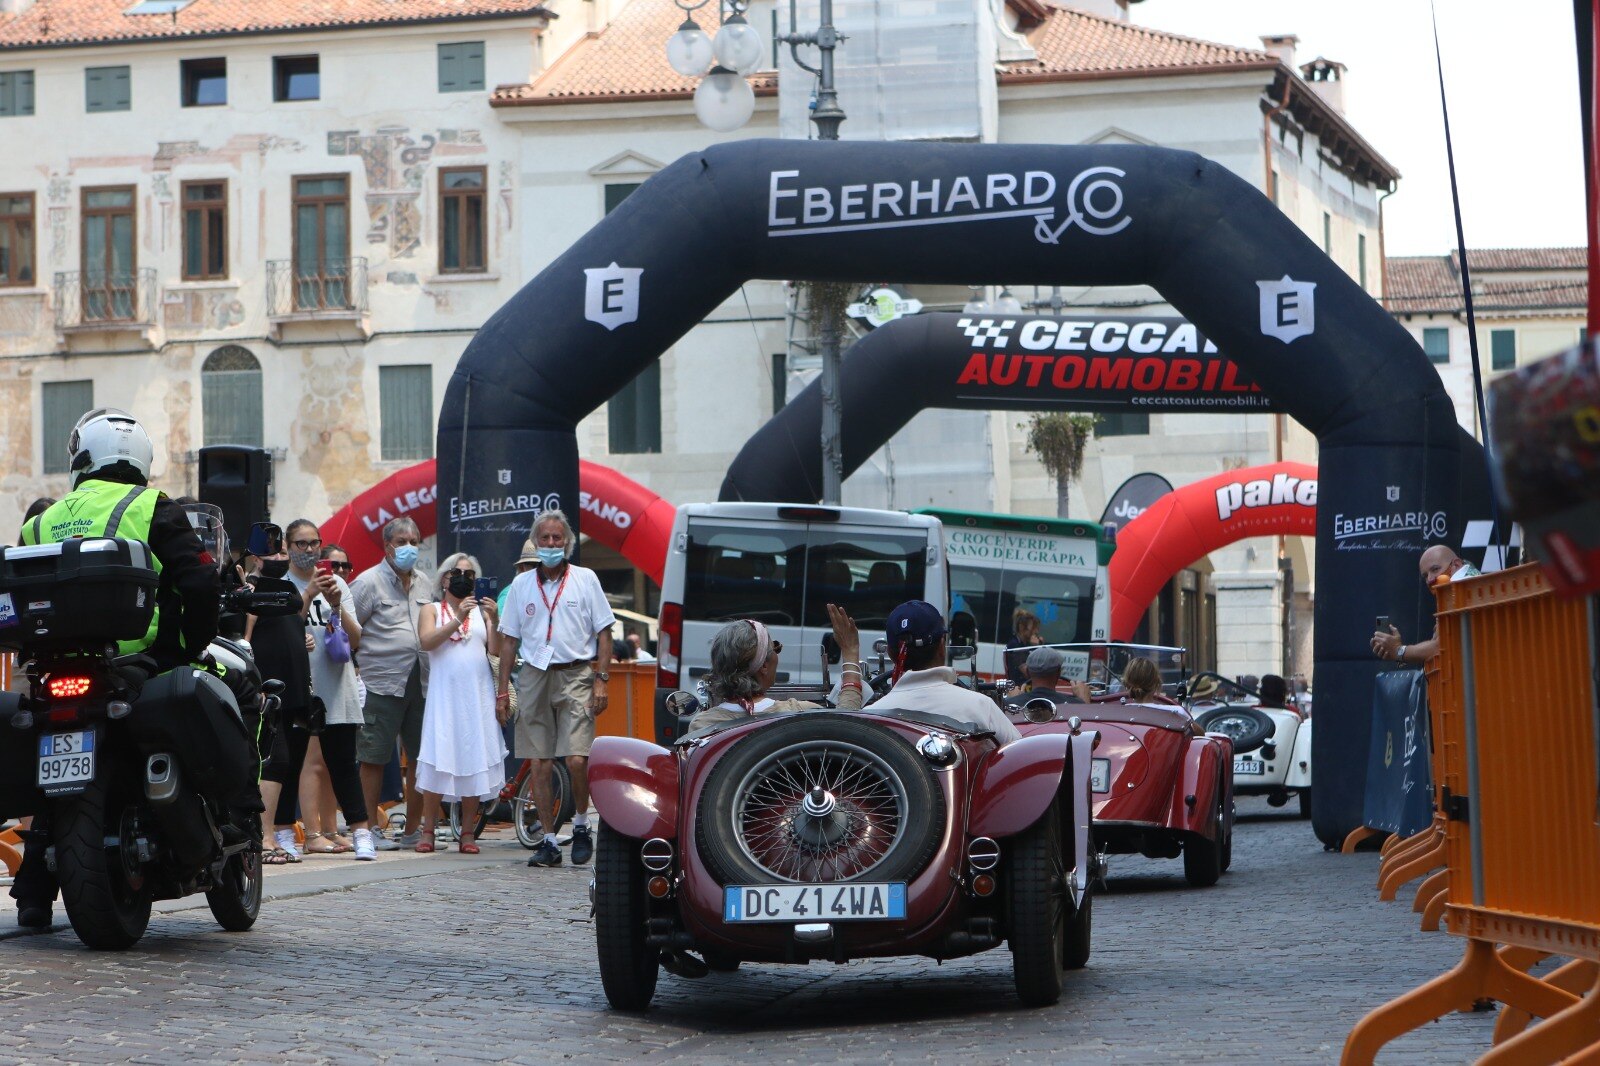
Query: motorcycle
x=145, y=780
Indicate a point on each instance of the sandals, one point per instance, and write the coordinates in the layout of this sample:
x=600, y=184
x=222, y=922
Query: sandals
x=467, y=845
x=425, y=845
x=320, y=844
x=275, y=857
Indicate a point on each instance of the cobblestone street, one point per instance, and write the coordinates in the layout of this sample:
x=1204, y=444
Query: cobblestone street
x=447, y=958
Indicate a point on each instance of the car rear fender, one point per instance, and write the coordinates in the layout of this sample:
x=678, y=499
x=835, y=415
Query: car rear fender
x=1017, y=783
x=1300, y=758
x=635, y=787
x=1201, y=777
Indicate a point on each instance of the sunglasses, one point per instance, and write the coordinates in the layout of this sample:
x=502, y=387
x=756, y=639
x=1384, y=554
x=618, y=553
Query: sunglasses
x=468, y=574
x=342, y=567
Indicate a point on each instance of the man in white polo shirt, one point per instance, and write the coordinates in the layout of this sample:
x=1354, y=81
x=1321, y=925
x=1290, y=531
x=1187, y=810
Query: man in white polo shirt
x=558, y=622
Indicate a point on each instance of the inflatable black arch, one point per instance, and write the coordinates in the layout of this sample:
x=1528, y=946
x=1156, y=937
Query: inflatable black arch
x=1214, y=247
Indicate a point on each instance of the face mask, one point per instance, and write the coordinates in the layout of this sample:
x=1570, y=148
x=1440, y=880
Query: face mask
x=552, y=557
x=405, y=557
x=461, y=587
x=274, y=567
x=303, y=560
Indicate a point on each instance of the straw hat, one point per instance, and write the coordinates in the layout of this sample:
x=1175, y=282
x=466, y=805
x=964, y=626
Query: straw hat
x=1204, y=688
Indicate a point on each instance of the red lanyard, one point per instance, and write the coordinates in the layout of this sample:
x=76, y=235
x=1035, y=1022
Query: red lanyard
x=549, y=605
x=445, y=614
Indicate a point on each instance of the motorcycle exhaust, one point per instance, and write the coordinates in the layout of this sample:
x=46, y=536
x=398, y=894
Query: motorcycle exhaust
x=161, y=781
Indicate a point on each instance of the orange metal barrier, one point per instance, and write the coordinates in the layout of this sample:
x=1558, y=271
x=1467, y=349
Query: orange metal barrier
x=631, y=704
x=10, y=850
x=1517, y=762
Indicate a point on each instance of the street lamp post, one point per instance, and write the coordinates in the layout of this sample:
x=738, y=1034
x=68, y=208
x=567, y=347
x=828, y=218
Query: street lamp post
x=724, y=101
x=827, y=115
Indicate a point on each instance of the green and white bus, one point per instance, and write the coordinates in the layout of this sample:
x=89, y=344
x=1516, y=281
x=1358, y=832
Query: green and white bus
x=1054, y=567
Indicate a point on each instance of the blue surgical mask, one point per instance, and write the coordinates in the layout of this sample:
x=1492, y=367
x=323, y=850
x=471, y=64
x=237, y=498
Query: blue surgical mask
x=405, y=557
x=552, y=557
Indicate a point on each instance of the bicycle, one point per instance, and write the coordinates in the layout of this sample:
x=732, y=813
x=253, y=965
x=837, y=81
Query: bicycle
x=518, y=795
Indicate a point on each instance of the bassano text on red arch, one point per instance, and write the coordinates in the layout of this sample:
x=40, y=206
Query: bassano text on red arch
x=1120, y=373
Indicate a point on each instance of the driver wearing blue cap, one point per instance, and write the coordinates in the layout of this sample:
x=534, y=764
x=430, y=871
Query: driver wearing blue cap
x=917, y=640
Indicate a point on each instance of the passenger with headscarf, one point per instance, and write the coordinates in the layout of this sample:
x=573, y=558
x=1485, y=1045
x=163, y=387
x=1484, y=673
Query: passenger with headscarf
x=744, y=664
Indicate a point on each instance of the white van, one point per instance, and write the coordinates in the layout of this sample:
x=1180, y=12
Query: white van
x=782, y=564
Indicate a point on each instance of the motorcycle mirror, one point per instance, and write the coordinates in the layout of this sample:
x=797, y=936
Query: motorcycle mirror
x=963, y=628
x=831, y=649
x=265, y=539
x=1039, y=710
x=682, y=703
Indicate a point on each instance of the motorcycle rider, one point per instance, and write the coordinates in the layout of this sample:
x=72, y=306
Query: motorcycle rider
x=109, y=456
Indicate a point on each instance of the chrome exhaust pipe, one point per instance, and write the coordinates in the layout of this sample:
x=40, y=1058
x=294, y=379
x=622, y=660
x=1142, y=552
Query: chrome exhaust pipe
x=161, y=779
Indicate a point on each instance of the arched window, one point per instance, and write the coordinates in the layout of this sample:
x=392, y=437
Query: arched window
x=230, y=397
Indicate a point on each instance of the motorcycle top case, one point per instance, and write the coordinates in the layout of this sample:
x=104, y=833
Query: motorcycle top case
x=93, y=590
x=192, y=715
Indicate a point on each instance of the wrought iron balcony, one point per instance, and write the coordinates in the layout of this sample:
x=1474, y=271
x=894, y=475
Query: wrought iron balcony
x=88, y=299
x=330, y=288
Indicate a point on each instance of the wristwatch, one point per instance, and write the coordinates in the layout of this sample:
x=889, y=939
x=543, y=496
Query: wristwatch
x=602, y=675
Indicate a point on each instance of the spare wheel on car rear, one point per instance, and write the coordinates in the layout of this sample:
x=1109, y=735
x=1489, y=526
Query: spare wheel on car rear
x=818, y=798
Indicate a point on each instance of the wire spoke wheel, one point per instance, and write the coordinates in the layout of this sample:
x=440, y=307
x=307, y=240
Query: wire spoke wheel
x=827, y=812
x=819, y=798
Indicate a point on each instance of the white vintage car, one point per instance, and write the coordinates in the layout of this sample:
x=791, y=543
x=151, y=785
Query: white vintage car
x=1271, y=745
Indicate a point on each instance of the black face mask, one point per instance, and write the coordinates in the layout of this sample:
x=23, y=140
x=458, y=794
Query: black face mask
x=274, y=567
x=461, y=587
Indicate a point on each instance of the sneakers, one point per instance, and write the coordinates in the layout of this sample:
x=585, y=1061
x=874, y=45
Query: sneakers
x=411, y=840
x=366, y=847
x=381, y=842
x=546, y=854
x=286, y=844
x=582, y=845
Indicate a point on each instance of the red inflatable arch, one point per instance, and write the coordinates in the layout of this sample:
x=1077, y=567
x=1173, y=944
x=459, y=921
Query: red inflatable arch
x=1185, y=525
x=617, y=512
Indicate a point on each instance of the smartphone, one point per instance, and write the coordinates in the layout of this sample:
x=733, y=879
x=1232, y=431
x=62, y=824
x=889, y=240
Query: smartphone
x=1383, y=623
x=325, y=566
x=486, y=588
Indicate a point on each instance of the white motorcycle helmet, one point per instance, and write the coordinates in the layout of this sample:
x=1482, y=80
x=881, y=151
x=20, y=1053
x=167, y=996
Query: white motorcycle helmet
x=106, y=438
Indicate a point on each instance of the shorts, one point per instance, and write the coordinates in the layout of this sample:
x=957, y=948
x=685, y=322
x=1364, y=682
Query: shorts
x=553, y=716
x=389, y=717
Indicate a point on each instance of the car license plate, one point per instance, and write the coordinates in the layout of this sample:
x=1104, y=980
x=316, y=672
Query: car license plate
x=66, y=762
x=852, y=902
x=1249, y=766
x=1100, y=775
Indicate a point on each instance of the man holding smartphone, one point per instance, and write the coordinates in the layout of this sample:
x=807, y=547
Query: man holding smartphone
x=558, y=618
x=1438, y=564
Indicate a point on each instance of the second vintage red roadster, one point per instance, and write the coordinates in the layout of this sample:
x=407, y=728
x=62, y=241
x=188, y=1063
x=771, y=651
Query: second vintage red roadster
x=835, y=836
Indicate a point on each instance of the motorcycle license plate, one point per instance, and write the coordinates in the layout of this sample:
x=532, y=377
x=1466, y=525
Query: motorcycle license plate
x=855, y=902
x=66, y=762
x=1249, y=766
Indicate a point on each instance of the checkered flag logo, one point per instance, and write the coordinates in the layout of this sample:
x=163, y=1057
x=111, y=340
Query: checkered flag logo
x=1476, y=541
x=986, y=332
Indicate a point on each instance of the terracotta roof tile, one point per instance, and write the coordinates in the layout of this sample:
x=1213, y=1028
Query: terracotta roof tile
x=628, y=59
x=625, y=61
x=63, y=23
x=1431, y=284
x=1076, y=44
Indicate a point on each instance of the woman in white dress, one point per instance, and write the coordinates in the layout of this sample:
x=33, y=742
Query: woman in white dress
x=463, y=753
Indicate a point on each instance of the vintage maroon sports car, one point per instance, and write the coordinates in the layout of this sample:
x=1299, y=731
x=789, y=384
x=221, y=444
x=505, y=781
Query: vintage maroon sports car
x=1162, y=785
x=836, y=836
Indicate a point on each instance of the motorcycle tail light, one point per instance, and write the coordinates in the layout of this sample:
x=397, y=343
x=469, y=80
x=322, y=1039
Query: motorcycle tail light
x=68, y=687
x=669, y=632
x=118, y=709
x=983, y=885
x=659, y=887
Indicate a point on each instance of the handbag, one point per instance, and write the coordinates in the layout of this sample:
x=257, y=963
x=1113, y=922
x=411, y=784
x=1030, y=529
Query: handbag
x=336, y=643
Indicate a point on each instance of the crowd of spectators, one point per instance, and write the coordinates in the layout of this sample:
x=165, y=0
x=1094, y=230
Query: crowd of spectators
x=395, y=660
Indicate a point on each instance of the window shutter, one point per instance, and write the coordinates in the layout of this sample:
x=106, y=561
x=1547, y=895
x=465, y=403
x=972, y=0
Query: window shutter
x=92, y=89
x=449, y=69
x=121, y=93
x=24, y=92
x=472, y=65
x=8, y=94
x=62, y=404
x=405, y=412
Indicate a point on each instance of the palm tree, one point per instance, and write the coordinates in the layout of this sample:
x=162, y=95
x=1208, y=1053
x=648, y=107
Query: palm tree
x=1060, y=439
